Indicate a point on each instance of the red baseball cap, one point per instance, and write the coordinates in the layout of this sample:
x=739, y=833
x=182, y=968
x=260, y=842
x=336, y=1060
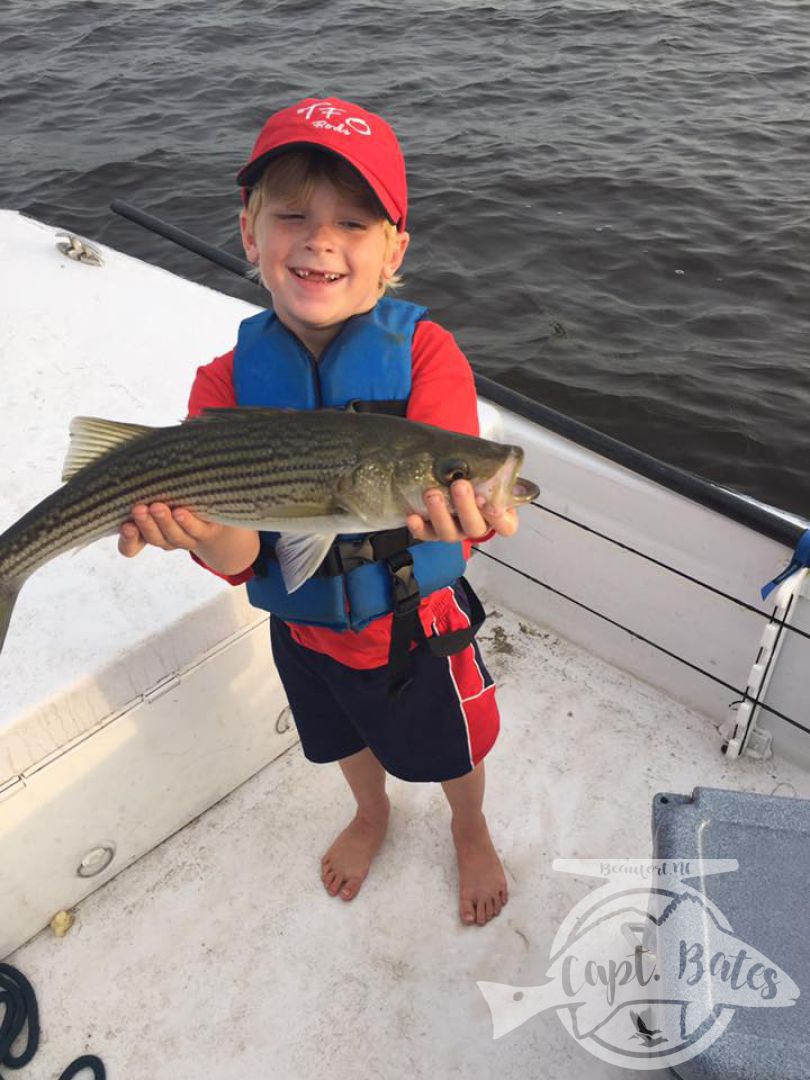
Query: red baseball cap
x=361, y=138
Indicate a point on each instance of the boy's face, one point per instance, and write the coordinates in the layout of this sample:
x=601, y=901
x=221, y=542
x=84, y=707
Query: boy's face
x=322, y=263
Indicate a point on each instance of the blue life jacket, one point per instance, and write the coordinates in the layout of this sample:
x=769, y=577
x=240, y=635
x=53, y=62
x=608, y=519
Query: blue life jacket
x=369, y=360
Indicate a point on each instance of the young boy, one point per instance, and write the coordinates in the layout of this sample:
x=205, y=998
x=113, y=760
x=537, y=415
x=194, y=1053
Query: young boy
x=325, y=203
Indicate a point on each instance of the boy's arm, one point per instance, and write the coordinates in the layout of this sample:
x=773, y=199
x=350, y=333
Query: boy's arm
x=442, y=385
x=213, y=386
x=443, y=394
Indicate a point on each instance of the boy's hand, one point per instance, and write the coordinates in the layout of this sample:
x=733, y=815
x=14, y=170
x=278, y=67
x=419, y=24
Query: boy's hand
x=164, y=528
x=470, y=521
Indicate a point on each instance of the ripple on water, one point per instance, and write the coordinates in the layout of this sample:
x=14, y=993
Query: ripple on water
x=609, y=199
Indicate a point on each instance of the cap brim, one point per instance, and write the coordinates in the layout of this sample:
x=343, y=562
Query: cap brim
x=249, y=176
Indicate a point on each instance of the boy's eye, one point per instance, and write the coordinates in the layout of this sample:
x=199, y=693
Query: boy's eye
x=354, y=224
x=289, y=215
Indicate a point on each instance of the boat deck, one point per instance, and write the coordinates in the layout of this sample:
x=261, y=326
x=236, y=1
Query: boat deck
x=219, y=954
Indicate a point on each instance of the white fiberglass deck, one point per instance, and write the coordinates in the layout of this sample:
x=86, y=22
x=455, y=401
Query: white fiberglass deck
x=219, y=954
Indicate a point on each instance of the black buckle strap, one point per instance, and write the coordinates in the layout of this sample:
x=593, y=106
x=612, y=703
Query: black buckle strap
x=405, y=585
x=391, y=542
x=346, y=555
x=391, y=407
x=405, y=625
x=390, y=547
x=456, y=640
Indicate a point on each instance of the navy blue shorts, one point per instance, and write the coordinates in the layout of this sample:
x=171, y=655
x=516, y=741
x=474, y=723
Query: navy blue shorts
x=438, y=728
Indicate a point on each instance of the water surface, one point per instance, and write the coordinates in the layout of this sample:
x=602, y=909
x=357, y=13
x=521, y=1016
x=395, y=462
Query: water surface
x=609, y=201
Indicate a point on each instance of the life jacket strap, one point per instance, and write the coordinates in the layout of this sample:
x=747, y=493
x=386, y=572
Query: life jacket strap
x=405, y=625
x=457, y=640
x=346, y=555
x=392, y=407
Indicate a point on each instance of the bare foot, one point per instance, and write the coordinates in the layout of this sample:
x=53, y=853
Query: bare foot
x=482, y=882
x=345, y=865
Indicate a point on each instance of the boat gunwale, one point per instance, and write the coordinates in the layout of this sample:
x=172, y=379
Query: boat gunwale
x=769, y=521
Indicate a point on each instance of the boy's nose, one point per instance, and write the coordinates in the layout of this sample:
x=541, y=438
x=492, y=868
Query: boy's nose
x=320, y=237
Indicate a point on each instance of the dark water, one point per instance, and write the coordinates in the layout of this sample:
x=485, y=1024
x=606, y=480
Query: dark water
x=610, y=200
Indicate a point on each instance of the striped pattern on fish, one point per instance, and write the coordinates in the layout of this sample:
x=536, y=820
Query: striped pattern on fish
x=310, y=473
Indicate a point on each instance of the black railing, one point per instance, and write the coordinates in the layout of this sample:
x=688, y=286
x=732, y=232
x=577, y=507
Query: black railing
x=731, y=504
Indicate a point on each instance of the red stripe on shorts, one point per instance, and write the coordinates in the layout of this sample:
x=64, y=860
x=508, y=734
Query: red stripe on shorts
x=476, y=700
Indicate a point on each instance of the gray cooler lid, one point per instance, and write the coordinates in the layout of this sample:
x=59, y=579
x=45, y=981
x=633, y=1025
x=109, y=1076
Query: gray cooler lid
x=764, y=903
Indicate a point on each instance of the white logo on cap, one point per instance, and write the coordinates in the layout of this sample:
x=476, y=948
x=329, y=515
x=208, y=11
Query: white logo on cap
x=320, y=115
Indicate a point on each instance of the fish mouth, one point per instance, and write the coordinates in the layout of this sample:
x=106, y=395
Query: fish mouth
x=505, y=488
x=523, y=490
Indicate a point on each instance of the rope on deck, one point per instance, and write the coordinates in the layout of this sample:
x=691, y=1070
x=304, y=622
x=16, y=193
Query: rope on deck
x=21, y=1020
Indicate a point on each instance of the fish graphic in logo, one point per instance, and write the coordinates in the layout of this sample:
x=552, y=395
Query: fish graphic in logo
x=645, y=973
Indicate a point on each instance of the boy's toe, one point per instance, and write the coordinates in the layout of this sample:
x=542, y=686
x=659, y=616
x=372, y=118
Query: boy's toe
x=467, y=911
x=351, y=888
x=331, y=879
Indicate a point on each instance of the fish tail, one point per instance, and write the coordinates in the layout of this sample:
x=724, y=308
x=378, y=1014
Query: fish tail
x=9, y=591
x=510, y=1006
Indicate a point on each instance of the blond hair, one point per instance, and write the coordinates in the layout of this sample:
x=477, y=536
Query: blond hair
x=292, y=176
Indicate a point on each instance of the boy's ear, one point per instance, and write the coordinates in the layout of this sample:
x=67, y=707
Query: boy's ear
x=397, y=252
x=248, y=238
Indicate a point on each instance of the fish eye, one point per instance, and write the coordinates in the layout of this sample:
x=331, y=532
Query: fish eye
x=452, y=470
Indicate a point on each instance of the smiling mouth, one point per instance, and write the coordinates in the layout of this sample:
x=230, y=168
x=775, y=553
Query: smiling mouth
x=315, y=275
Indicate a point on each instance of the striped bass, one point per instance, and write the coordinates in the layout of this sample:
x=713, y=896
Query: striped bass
x=307, y=474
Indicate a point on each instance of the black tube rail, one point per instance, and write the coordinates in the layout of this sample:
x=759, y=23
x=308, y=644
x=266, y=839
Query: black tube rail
x=182, y=238
x=762, y=519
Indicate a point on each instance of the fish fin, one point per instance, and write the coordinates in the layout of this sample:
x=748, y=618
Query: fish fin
x=9, y=590
x=300, y=556
x=92, y=438
x=113, y=530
